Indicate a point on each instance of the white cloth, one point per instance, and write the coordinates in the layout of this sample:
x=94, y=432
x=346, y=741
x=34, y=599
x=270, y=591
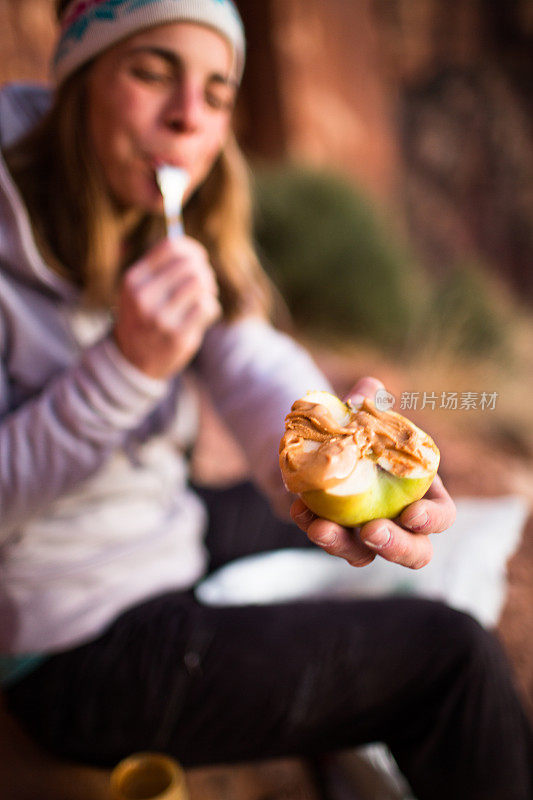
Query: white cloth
x=468, y=568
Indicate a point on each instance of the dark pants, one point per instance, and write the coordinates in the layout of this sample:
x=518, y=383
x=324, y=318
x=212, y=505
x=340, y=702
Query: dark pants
x=212, y=685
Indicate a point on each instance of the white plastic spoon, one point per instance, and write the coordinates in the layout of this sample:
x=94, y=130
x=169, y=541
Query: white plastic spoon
x=173, y=182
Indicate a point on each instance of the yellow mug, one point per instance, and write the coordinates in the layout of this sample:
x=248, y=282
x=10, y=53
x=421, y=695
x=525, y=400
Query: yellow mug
x=148, y=776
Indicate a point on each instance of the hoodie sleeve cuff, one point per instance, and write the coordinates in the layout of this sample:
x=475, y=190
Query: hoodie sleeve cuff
x=116, y=392
x=135, y=378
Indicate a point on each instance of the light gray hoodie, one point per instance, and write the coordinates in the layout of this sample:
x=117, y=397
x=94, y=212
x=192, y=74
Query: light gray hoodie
x=95, y=511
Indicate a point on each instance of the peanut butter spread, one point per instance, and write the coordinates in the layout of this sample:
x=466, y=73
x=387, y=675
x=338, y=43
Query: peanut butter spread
x=318, y=453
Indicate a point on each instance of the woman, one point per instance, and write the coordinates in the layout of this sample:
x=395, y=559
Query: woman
x=103, y=538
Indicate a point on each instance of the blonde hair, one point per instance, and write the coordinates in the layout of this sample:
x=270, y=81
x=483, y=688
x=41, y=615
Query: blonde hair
x=83, y=235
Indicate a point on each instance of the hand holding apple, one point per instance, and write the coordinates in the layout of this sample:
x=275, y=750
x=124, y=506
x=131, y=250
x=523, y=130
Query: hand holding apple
x=399, y=540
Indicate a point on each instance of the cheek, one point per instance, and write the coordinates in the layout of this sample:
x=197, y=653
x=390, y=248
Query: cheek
x=215, y=140
x=119, y=116
x=136, y=110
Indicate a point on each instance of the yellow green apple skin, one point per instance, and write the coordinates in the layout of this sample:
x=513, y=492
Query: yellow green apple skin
x=385, y=499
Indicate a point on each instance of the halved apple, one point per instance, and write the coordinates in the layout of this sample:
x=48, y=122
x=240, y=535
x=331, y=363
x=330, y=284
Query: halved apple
x=351, y=465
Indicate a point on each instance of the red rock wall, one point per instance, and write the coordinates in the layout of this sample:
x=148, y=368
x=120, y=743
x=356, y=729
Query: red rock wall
x=335, y=96
x=27, y=33
x=427, y=104
x=464, y=73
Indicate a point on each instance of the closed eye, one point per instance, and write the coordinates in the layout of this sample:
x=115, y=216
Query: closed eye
x=219, y=103
x=151, y=76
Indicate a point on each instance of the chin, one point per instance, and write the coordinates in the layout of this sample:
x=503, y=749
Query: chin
x=150, y=206
x=145, y=199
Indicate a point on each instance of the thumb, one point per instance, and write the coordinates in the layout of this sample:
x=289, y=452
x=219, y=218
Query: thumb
x=365, y=387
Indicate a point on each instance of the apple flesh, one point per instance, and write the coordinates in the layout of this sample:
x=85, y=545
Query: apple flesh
x=379, y=483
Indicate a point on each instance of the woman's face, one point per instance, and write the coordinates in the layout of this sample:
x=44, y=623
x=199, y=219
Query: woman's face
x=163, y=95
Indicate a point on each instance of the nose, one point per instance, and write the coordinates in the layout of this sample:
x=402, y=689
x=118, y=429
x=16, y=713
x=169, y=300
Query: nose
x=185, y=107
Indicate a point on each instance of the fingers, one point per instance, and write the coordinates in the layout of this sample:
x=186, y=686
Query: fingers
x=340, y=542
x=196, y=317
x=188, y=292
x=167, y=301
x=333, y=538
x=167, y=280
x=172, y=278
x=160, y=300
x=387, y=538
x=395, y=544
x=168, y=259
x=365, y=387
x=434, y=513
x=194, y=312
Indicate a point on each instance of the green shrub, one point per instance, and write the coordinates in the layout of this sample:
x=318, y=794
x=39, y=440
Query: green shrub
x=465, y=316
x=344, y=275
x=336, y=265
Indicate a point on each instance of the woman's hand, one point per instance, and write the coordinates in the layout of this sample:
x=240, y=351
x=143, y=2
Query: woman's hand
x=167, y=301
x=404, y=540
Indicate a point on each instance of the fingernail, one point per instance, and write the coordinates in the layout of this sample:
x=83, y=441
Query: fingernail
x=305, y=517
x=327, y=539
x=362, y=562
x=378, y=538
x=417, y=522
x=356, y=400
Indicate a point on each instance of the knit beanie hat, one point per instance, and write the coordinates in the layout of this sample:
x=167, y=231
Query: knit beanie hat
x=88, y=27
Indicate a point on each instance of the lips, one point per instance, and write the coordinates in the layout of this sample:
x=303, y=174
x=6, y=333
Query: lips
x=156, y=161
